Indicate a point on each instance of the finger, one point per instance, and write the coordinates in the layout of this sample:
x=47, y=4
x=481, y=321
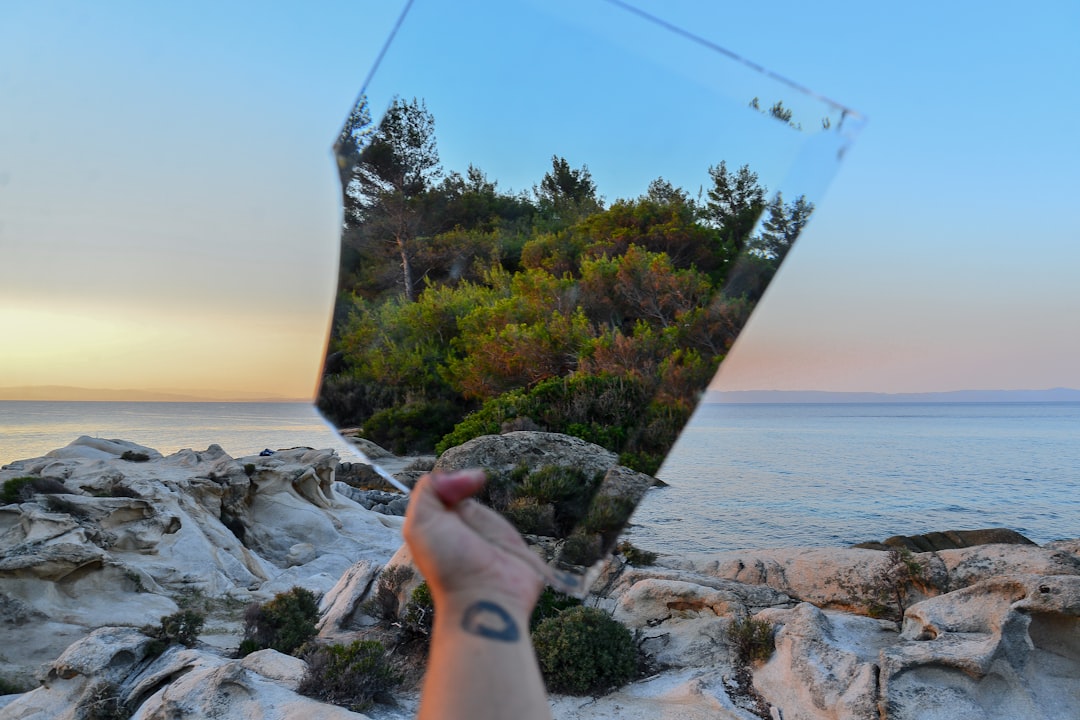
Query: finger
x=497, y=530
x=454, y=487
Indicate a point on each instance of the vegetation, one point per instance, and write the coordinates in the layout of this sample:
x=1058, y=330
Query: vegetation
x=21, y=489
x=892, y=586
x=283, y=624
x=9, y=688
x=419, y=616
x=550, y=604
x=181, y=627
x=752, y=640
x=352, y=676
x=636, y=556
x=102, y=702
x=465, y=310
x=583, y=651
x=133, y=456
x=383, y=603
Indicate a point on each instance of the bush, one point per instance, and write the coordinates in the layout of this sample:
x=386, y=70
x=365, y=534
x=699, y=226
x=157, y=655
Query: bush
x=181, y=627
x=283, y=624
x=636, y=556
x=412, y=428
x=21, y=489
x=9, y=688
x=419, y=615
x=383, y=603
x=352, y=676
x=551, y=603
x=752, y=640
x=102, y=702
x=583, y=651
x=133, y=456
x=581, y=549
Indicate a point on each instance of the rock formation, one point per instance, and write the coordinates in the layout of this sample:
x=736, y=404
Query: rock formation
x=948, y=627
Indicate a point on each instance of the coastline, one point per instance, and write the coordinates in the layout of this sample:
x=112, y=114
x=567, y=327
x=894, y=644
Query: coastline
x=136, y=535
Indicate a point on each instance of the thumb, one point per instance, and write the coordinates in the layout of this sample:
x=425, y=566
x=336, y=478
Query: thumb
x=453, y=487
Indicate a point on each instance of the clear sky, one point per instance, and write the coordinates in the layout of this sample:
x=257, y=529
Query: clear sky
x=169, y=206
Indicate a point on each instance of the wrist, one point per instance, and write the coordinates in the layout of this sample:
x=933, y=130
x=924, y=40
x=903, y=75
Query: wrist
x=492, y=616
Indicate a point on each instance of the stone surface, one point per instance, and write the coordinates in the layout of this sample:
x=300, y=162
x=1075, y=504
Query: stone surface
x=131, y=540
x=949, y=540
x=499, y=454
x=991, y=631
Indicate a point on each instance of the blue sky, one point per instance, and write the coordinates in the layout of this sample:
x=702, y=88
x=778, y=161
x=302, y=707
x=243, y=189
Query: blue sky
x=169, y=210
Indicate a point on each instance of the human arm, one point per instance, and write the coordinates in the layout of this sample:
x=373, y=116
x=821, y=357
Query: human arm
x=484, y=582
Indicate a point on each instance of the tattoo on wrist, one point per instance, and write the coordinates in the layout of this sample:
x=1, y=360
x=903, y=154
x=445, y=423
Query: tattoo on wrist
x=488, y=620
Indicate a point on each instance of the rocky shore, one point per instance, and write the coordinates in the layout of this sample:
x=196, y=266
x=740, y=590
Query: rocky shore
x=104, y=537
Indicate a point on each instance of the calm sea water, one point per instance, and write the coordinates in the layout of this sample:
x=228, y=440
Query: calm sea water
x=741, y=476
x=746, y=476
x=31, y=429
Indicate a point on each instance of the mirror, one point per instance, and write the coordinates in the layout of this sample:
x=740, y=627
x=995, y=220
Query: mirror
x=558, y=220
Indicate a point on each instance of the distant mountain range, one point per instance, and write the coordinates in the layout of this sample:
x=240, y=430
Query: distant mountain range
x=80, y=394
x=957, y=396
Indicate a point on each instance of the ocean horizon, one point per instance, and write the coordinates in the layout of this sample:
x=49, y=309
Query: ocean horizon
x=740, y=476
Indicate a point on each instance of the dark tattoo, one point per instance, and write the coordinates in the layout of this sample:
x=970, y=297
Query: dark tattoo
x=490, y=621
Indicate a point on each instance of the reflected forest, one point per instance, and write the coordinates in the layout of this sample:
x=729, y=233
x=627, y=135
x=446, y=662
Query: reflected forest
x=464, y=310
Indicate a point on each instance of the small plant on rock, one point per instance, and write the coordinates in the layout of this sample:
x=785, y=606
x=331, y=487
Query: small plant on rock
x=181, y=627
x=134, y=456
x=352, y=676
x=635, y=556
x=9, y=688
x=752, y=640
x=21, y=489
x=283, y=624
x=383, y=603
x=419, y=615
x=102, y=702
x=584, y=651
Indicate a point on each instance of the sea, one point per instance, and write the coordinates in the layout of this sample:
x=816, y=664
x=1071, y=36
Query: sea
x=740, y=476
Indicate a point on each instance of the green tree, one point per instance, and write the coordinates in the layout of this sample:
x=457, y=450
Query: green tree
x=782, y=228
x=395, y=171
x=566, y=195
x=735, y=202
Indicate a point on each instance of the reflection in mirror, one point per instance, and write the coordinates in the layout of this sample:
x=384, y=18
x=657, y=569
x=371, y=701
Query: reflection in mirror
x=553, y=233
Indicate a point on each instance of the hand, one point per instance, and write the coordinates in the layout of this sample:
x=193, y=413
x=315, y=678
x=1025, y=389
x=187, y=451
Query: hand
x=468, y=552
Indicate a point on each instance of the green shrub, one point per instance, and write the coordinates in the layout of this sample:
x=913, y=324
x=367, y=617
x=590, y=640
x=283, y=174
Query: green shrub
x=249, y=469
x=9, y=688
x=412, y=428
x=608, y=514
x=752, y=640
x=283, y=624
x=133, y=456
x=16, y=490
x=21, y=489
x=583, y=651
x=181, y=627
x=554, y=483
x=580, y=549
x=551, y=603
x=419, y=615
x=352, y=676
x=635, y=556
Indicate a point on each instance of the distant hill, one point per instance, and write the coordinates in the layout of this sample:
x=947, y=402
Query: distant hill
x=79, y=394
x=958, y=396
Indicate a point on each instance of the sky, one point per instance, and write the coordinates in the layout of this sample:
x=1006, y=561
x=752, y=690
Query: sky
x=169, y=205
